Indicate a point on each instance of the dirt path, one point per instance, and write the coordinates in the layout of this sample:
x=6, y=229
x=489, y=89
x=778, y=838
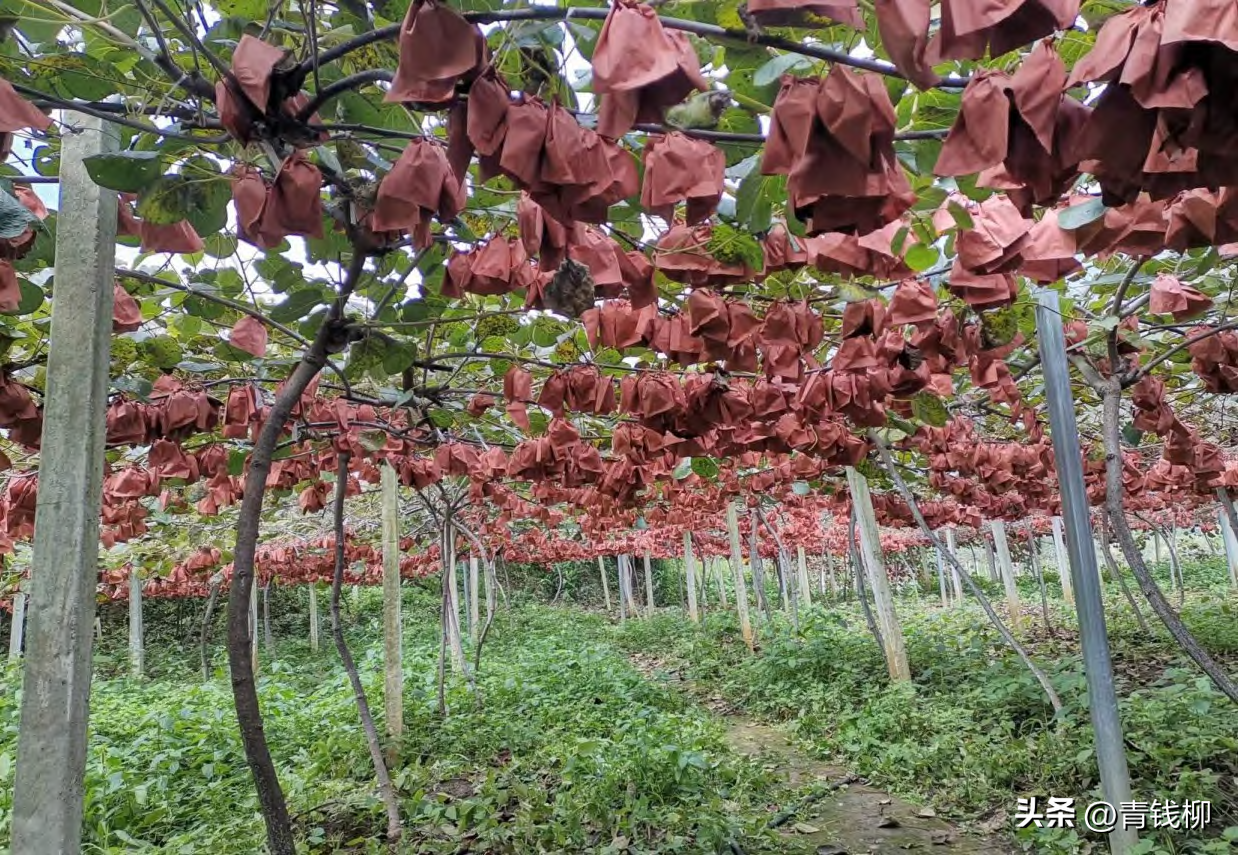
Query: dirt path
x=840, y=814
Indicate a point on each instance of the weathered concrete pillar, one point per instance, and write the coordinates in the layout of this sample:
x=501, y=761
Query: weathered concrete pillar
x=648, y=585
x=689, y=563
x=737, y=569
x=878, y=581
x=137, y=651
x=802, y=576
x=313, y=617
x=393, y=645
x=605, y=584
x=1006, y=566
x=51, y=744
x=19, y=625
x=1063, y=563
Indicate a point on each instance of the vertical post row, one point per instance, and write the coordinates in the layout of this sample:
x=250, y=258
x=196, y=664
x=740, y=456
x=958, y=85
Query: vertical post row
x=1102, y=697
x=51, y=743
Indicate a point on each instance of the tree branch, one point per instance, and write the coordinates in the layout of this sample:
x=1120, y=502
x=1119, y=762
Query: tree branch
x=551, y=13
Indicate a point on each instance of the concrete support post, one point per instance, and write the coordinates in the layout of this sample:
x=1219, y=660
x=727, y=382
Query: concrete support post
x=1063, y=563
x=737, y=570
x=313, y=617
x=689, y=563
x=19, y=625
x=393, y=624
x=51, y=743
x=605, y=584
x=648, y=585
x=801, y=568
x=1006, y=567
x=137, y=652
x=955, y=582
x=878, y=581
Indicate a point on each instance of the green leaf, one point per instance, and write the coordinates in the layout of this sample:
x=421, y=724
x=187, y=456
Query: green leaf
x=32, y=297
x=754, y=201
x=125, y=171
x=1131, y=435
x=166, y=201
x=962, y=217
x=14, y=218
x=209, y=194
x=999, y=327
x=298, y=305
x=929, y=409
x=1078, y=216
x=921, y=257
x=778, y=66
x=138, y=387
x=397, y=356
x=705, y=467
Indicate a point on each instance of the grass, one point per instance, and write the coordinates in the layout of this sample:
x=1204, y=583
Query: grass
x=564, y=748
x=973, y=730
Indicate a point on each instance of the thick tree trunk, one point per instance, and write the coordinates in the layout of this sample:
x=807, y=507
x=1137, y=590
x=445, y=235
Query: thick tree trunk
x=385, y=790
x=249, y=521
x=240, y=660
x=1111, y=391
